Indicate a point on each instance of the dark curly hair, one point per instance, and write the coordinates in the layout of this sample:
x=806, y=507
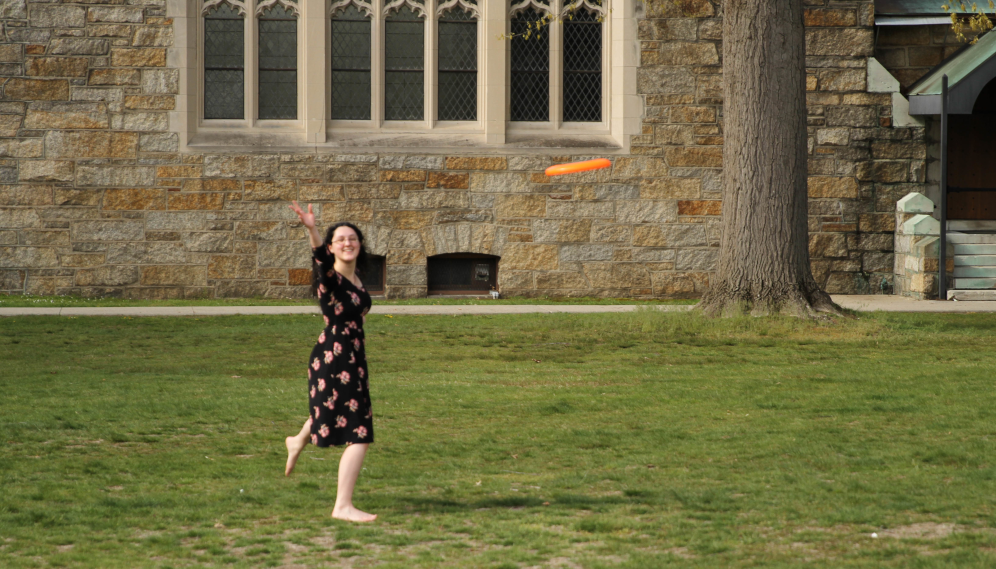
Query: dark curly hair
x=361, y=258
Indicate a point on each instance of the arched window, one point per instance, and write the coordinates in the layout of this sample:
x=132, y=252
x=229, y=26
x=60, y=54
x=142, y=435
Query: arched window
x=277, y=63
x=350, y=64
x=462, y=273
x=224, y=63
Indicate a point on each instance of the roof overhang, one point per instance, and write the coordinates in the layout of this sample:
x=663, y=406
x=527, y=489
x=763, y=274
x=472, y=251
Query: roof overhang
x=968, y=71
x=925, y=8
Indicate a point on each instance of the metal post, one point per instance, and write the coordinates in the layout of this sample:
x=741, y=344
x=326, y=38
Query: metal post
x=943, y=253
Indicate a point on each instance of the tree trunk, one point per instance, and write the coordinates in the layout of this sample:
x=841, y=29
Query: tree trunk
x=764, y=256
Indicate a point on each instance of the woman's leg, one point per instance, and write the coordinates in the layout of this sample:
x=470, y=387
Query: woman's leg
x=349, y=470
x=295, y=445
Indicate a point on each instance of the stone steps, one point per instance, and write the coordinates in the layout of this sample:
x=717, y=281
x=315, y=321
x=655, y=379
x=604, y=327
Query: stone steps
x=975, y=248
x=972, y=225
x=955, y=294
x=975, y=283
x=974, y=271
x=975, y=260
x=980, y=238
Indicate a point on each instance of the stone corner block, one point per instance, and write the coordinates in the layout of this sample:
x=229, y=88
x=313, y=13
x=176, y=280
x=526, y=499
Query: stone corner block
x=915, y=202
x=922, y=225
x=879, y=78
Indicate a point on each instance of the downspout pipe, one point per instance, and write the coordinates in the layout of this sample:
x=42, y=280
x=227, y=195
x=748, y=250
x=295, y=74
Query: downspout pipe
x=943, y=253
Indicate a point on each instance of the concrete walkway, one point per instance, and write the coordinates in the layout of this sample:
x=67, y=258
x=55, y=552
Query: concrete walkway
x=863, y=303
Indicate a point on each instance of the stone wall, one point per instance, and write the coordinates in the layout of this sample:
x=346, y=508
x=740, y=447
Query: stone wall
x=96, y=199
x=909, y=52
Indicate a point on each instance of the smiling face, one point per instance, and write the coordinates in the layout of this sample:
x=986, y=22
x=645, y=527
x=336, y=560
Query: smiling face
x=345, y=244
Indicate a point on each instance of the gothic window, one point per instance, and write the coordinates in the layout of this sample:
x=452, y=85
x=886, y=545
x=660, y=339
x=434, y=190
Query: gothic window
x=404, y=65
x=583, y=67
x=457, y=65
x=224, y=63
x=277, y=63
x=530, y=65
x=350, y=64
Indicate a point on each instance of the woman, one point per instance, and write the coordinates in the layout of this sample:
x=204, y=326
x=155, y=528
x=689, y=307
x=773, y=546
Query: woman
x=339, y=395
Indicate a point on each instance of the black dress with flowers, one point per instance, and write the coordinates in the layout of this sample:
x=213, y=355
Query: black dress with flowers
x=339, y=393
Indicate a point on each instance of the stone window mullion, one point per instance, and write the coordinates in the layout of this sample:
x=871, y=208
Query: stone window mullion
x=431, y=73
x=556, y=66
x=377, y=66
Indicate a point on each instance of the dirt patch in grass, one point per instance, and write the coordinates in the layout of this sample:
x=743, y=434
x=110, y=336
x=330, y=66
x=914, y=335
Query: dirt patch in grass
x=922, y=530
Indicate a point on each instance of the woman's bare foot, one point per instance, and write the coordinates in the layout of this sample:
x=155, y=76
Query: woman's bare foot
x=294, y=448
x=351, y=514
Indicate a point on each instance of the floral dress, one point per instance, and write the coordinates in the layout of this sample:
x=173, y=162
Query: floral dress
x=339, y=393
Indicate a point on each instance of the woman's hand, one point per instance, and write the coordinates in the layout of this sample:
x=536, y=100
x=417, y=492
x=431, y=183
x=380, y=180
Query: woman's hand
x=307, y=219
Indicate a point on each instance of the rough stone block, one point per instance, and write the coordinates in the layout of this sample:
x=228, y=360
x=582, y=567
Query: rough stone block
x=561, y=230
x=107, y=276
x=877, y=262
x=693, y=114
x=57, y=16
x=321, y=192
x=181, y=201
x=295, y=170
x=296, y=254
x=26, y=195
x=232, y=267
x=646, y=211
x=150, y=102
x=576, y=210
x=264, y=190
x=433, y=200
x=107, y=230
x=669, y=235
x=529, y=256
x=126, y=176
x=36, y=90
x=697, y=259
x=153, y=36
x=262, y=231
x=888, y=150
x=840, y=42
x=688, y=53
x=186, y=171
x=372, y=191
x=670, y=188
x=160, y=81
x=701, y=157
x=346, y=173
x=244, y=165
x=56, y=66
x=877, y=222
x=841, y=79
x=827, y=18
x=672, y=284
x=9, y=125
x=852, y=116
x=410, y=275
x=823, y=245
x=46, y=171
x=45, y=115
x=402, y=175
x=110, y=30
x=116, y=14
x=586, y=252
x=78, y=46
x=832, y=187
x=114, y=77
x=138, y=57
x=611, y=233
x=499, y=182
x=448, y=180
x=46, y=238
x=405, y=219
x=178, y=275
x=526, y=205
x=134, y=199
x=14, y=9
x=681, y=9
x=476, y=163
x=700, y=207
x=28, y=257
x=665, y=79
x=561, y=280
x=160, y=142
x=77, y=144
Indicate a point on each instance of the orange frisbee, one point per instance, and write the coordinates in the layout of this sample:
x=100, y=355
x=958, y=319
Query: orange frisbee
x=574, y=167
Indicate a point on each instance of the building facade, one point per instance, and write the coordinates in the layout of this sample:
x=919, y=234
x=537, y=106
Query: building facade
x=149, y=149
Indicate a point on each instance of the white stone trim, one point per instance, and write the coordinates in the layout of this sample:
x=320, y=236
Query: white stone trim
x=416, y=7
x=366, y=7
x=236, y=4
x=576, y=5
x=288, y=4
x=525, y=4
x=463, y=4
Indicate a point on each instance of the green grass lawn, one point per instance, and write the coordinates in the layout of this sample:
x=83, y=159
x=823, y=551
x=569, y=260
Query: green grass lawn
x=22, y=301
x=601, y=440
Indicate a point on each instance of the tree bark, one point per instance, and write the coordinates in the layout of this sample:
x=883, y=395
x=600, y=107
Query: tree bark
x=764, y=255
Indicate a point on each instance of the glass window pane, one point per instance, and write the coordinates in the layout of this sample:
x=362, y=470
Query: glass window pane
x=403, y=66
x=350, y=65
x=457, y=66
x=277, y=64
x=224, y=74
x=582, y=67
x=530, y=80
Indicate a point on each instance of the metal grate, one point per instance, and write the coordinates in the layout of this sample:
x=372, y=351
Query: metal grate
x=224, y=60
x=404, y=58
x=582, y=67
x=277, y=64
x=350, y=65
x=462, y=272
x=457, y=66
x=530, y=85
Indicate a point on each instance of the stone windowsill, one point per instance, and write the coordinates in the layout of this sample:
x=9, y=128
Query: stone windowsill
x=545, y=143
